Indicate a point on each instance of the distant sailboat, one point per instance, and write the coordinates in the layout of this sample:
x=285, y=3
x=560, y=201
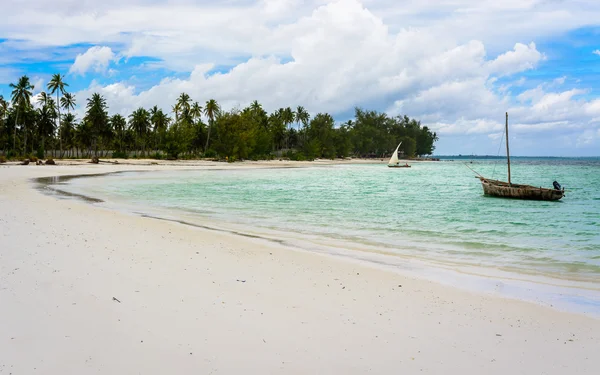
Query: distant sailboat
x=394, y=161
x=503, y=189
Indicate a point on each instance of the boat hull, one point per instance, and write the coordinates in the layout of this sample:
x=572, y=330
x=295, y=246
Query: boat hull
x=503, y=189
x=399, y=166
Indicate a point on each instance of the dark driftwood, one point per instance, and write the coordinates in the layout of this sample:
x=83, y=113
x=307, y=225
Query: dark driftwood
x=503, y=189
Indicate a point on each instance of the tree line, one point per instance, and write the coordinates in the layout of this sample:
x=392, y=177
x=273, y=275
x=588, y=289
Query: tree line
x=193, y=130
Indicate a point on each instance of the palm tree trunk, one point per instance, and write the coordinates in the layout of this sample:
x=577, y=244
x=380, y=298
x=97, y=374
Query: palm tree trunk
x=15, y=132
x=25, y=138
x=59, y=127
x=208, y=136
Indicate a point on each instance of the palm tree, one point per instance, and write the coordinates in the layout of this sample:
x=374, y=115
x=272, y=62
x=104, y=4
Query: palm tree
x=46, y=118
x=287, y=116
x=95, y=120
x=196, y=111
x=42, y=99
x=68, y=101
x=160, y=122
x=3, y=112
x=139, y=122
x=183, y=104
x=256, y=107
x=3, y=107
x=119, y=123
x=68, y=129
x=175, y=109
x=303, y=117
x=57, y=85
x=21, y=99
x=211, y=110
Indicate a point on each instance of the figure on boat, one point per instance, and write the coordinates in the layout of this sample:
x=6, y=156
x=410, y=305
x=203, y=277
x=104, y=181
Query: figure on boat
x=503, y=189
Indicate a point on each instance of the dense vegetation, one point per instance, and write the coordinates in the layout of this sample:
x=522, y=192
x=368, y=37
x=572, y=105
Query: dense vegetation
x=194, y=130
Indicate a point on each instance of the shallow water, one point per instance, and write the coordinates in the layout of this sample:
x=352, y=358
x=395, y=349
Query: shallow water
x=434, y=212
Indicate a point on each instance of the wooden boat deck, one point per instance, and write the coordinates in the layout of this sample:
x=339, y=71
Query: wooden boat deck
x=503, y=189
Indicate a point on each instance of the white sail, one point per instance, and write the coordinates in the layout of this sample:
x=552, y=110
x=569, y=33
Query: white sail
x=394, y=159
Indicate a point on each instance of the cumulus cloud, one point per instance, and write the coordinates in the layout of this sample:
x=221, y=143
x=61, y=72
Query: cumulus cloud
x=440, y=62
x=596, y=52
x=96, y=58
x=522, y=57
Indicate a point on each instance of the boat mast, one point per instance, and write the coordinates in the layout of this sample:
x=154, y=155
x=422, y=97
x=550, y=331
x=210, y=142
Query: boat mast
x=507, y=152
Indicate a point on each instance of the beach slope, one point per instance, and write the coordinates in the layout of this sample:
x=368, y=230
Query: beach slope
x=87, y=290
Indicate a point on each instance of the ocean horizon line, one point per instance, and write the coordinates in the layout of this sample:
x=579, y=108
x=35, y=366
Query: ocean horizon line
x=514, y=157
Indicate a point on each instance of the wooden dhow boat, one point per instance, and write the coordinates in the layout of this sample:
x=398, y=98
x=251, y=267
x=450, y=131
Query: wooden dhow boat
x=504, y=189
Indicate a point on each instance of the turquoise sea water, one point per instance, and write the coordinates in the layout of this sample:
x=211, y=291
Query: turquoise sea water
x=434, y=212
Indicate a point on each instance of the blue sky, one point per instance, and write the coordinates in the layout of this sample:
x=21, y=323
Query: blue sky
x=448, y=65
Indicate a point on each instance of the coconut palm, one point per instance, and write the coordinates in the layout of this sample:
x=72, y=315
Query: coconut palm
x=211, y=110
x=68, y=129
x=21, y=100
x=287, y=116
x=96, y=120
x=183, y=105
x=119, y=124
x=42, y=99
x=57, y=85
x=46, y=119
x=68, y=101
x=3, y=107
x=3, y=112
x=160, y=122
x=175, y=109
x=256, y=107
x=196, y=111
x=139, y=123
x=302, y=116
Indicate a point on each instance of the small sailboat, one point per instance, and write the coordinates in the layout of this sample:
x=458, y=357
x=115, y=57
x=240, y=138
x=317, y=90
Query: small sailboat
x=394, y=161
x=504, y=189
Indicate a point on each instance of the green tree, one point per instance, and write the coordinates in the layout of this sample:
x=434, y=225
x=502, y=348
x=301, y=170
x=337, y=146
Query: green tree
x=68, y=101
x=183, y=105
x=4, y=107
x=287, y=117
x=46, y=117
x=211, y=110
x=139, y=123
x=160, y=122
x=21, y=100
x=96, y=121
x=119, y=125
x=68, y=130
x=303, y=117
x=321, y=132
x=57, y=85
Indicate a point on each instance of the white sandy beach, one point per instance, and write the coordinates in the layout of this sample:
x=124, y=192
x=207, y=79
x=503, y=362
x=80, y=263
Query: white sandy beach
x=87, y=290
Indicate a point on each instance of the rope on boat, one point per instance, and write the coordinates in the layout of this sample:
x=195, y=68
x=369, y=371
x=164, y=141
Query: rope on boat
x=474, y=171
x=498, y=153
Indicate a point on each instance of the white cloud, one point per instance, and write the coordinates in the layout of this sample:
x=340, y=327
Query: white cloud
x=596, y=52
x=344, y=56
x=559, y=81
x=96, y=58
x=439, y=61
x=523, y=57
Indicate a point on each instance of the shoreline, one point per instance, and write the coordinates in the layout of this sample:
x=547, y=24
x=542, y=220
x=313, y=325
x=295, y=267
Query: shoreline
x=580, y=296
x=191, y=299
